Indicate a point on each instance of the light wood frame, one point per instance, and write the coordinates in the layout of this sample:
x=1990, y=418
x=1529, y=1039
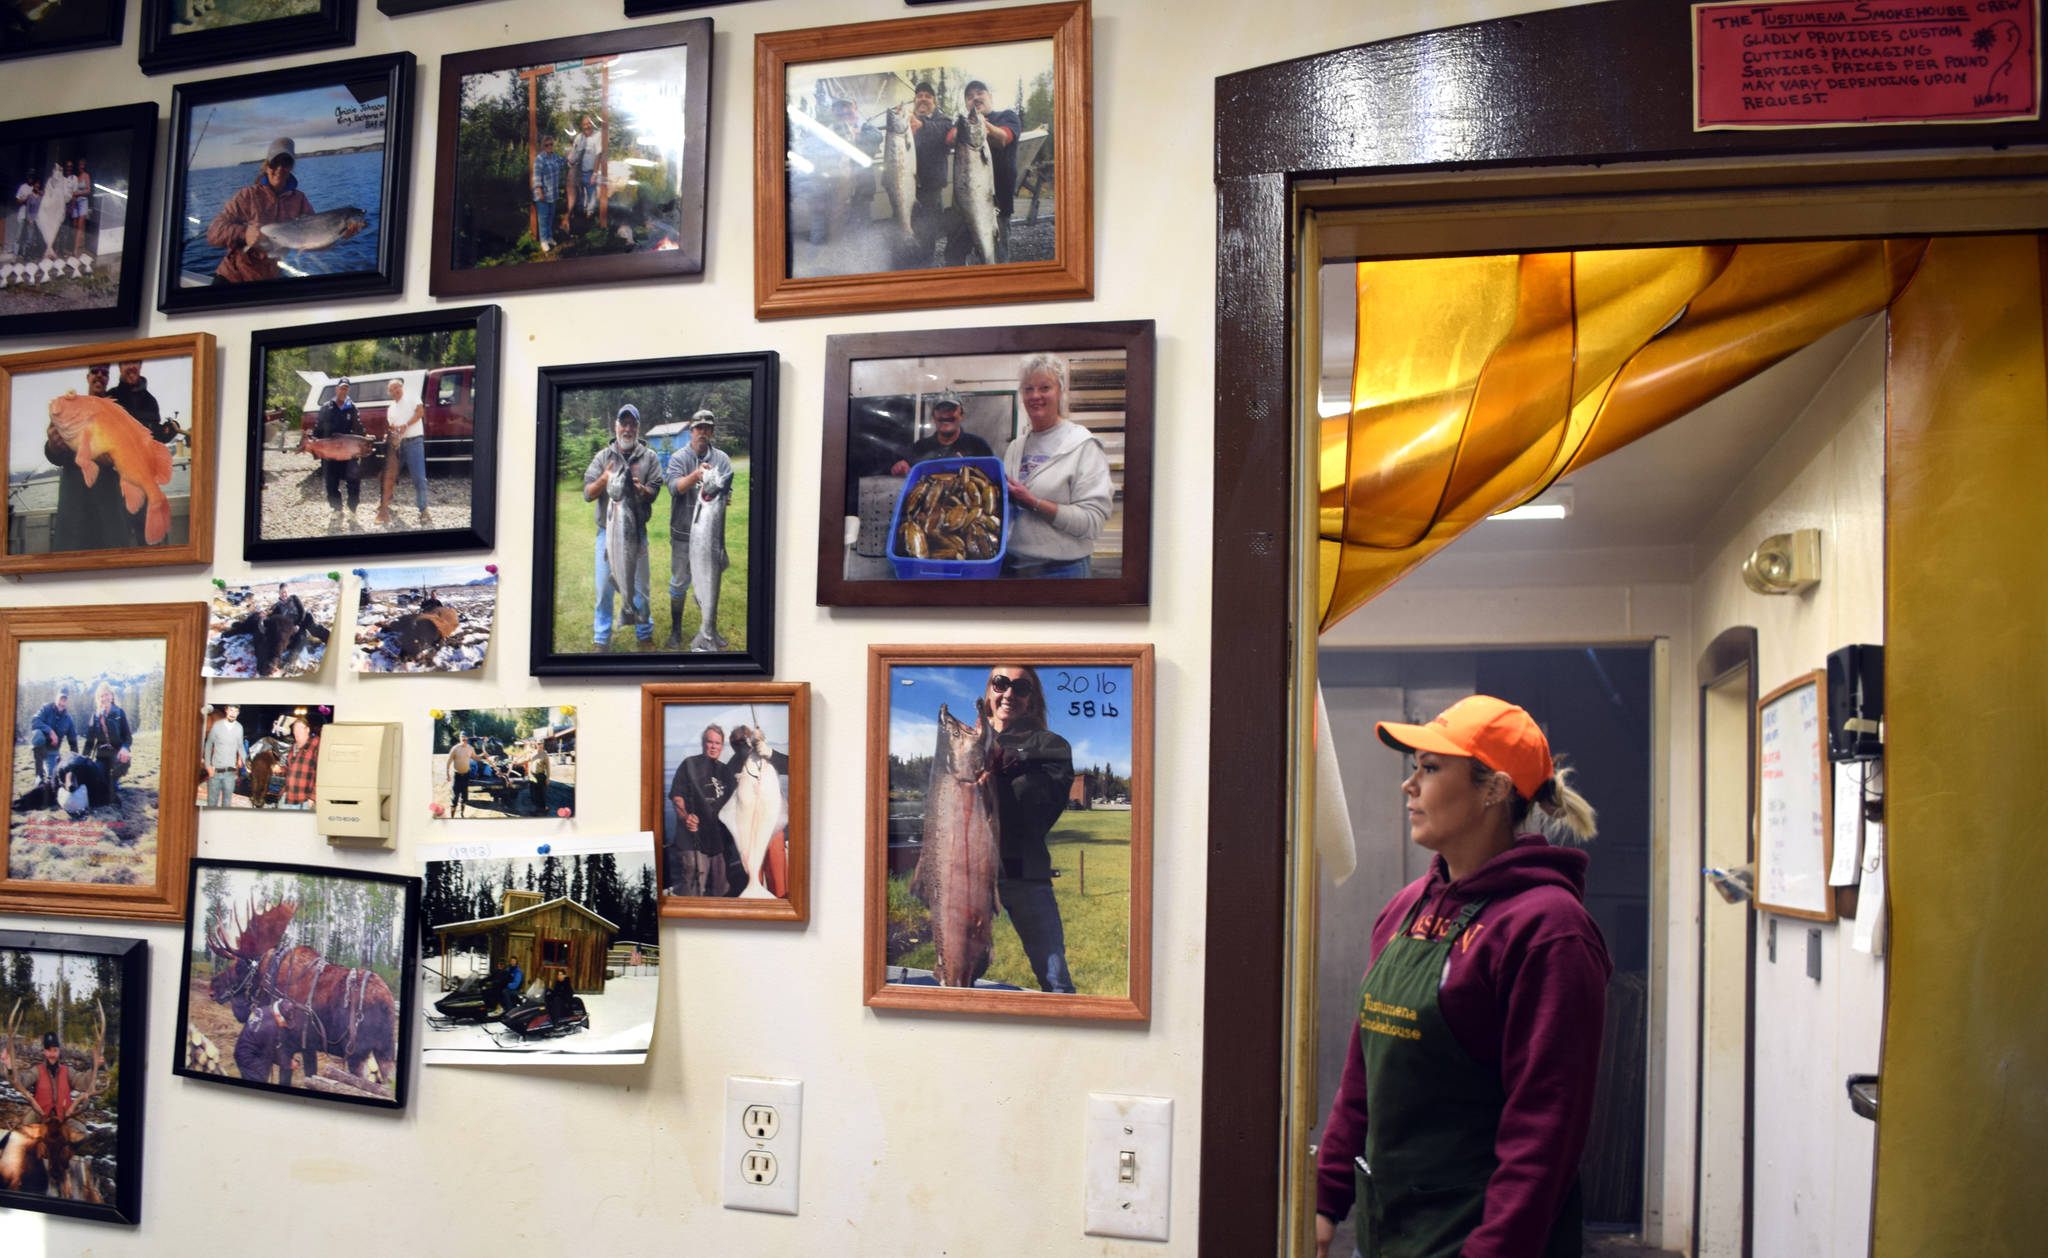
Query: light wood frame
x=655, y=700
x=1135, y=1005
x=1070, y=273
x=198, y=545
x=182, y=627
x=1818, y=679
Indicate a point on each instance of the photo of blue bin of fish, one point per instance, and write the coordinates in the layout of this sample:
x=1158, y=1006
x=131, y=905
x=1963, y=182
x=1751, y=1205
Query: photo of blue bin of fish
x=952, y=520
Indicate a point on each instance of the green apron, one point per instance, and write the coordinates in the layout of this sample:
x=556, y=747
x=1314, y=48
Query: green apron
x=1432, y=1112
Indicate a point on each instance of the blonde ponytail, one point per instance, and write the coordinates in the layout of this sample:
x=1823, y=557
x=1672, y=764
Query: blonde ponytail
x=1566, y=813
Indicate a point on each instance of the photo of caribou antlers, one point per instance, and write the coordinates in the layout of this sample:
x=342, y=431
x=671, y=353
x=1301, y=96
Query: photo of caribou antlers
x=48, y=1155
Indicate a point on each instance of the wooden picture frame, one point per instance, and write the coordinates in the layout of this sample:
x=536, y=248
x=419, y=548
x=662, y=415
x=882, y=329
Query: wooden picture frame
x=88, y=963
x=740, y=390
x=841, y=266
x=153, y=895
x=1109, y=693
x=118, y=144
x=1794, y=800
x=328, y=103
x=19, y=37
x=361, y=1018
x=28, y=384
x=165, y=48
x=513, y=252
x=881, y=392
x=674, y=719
x=458, y=404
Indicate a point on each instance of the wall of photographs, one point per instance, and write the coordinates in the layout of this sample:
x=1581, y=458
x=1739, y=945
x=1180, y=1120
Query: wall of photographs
x=904, y=1108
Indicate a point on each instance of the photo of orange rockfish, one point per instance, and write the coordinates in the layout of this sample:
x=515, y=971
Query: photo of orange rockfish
x=94, y=426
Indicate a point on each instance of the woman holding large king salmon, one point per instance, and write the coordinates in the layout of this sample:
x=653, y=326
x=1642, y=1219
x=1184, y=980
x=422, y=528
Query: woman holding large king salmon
x=1031, y=770
x=1060, y=493
x=1468, y=1087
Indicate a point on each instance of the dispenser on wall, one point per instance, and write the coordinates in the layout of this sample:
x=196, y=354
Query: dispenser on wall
x=356, y=782
x=1856, y=703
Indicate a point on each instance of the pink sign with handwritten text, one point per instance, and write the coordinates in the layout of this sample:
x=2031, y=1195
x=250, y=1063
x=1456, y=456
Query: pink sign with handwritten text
x=1846, y=63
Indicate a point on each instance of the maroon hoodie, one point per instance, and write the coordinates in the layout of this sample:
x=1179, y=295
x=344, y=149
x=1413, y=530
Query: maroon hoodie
x=1526, y=987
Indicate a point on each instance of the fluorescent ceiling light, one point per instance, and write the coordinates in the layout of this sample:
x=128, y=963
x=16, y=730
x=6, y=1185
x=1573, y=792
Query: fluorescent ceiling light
x=1553, y=504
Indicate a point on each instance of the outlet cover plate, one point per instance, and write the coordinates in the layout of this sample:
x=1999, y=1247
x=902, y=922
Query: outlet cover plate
x=1141, y=1126
x=786, y=1097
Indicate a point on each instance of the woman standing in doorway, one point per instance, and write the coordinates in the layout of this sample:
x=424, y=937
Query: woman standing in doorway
x=1468, y=1088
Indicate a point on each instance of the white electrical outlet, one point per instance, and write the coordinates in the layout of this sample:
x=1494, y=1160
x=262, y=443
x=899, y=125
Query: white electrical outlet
x=1127, y=1166
x=764, y=1123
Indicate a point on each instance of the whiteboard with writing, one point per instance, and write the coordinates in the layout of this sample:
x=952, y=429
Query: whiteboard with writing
x=1793, y=805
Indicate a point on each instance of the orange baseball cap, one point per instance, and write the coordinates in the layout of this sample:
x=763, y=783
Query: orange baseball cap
x=1492, y=731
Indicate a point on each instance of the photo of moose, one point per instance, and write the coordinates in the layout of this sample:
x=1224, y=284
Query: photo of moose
x=260, y=755
x=553, y=957
x=275, y=629
x=67, y=1093
x=299, y=979
x=504, y=762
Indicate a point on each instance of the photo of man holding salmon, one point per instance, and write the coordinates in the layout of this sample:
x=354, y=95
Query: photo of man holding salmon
x=1013, y=859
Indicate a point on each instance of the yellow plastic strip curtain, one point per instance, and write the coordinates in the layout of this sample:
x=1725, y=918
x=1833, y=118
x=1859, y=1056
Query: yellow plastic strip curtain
x=1479, y=381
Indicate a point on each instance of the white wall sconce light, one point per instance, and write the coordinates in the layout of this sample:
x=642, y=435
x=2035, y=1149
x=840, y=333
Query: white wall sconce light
x=1784, y=563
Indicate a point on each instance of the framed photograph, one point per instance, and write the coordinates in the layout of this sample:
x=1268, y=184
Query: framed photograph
x=1010, y=830
x=373, y=436
x=184, y=34
x=725, y=787
x=680, y=452
x=288, y=186
x=299, y=979
x=980, y=467
x=572, y=161
x=74, y=1058
x=503, y=762
x=261, y=755
x=541, y=955
x=70, y=250
x=110, y=455
x=35, y=30
x=932, y=161
x=1795, y=808
x=98, y=706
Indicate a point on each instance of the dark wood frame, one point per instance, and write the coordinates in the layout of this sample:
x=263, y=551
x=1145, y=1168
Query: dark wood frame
x=334, y=26
x=140, y=123
x=1135, y=1005
x=198, y=547
x=1070, y=274
x=1133, y=588
x=1818, y=679
x=401, y=1065
x=389, y=275
x=132, y=1056
x=182, y=627
x=758, y=659
x=1394, y=118
x=483, y=503
x=694, y=36
x=796, y=696
x=1734, y=649
x=109, y=34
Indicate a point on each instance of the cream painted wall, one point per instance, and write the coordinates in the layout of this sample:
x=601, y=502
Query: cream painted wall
x=924, y=1135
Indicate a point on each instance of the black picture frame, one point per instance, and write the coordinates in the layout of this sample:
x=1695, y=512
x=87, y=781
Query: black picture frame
x=683, y=252
x=131, y=1055
x=648, y=8
x=240, y=877
x=164, y=50
x=847, y=460
x=755, y=657
x=484, y=390
x=89, y=33
x=399, y=8
x=138, y=123
x=386, y=277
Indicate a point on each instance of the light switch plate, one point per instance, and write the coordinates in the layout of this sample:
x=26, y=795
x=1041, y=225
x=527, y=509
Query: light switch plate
x=1142, y=1127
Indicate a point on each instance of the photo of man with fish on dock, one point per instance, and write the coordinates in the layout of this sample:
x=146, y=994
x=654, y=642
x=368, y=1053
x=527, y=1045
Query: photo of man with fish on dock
x=1017, y=843
x=88, y=759
x=911, y=161
x=282, y=186
x=98, y=456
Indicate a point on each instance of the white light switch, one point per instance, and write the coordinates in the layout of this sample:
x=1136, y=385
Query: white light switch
x=1127, y=1166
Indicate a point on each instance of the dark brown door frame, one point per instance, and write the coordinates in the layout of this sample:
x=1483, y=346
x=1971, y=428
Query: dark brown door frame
x=1597, y=84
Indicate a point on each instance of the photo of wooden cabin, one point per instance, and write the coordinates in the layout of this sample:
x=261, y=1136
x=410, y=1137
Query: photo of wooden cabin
x=542, y=936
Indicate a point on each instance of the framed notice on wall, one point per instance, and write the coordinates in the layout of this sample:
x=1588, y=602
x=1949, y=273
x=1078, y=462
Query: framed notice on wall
x=1794, y=811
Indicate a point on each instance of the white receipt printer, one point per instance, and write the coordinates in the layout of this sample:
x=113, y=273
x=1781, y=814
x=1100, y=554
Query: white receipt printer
x=356, y=783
